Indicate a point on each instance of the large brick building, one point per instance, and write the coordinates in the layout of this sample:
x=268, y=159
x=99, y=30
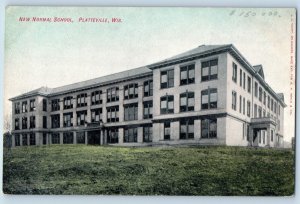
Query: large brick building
x=207, y=95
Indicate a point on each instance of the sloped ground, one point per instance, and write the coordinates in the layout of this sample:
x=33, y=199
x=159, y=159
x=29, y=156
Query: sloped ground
x=80, y=169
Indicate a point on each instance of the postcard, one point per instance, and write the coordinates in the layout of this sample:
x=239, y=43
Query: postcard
x=149, y=101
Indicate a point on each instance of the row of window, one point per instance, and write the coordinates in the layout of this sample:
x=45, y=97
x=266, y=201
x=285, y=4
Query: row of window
x=208, y=130
x=258, y=91
x=130, y=92
x=262, y=97
x=25, y=123
x=209, y=71
x=32, y=106
x=258, y=112
x=209, y=100
x=242, y=78
x=25, y=139
x=130, y=135
x=130, y=113
x=242, y=104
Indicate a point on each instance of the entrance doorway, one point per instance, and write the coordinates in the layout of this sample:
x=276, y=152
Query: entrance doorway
x=94, y=137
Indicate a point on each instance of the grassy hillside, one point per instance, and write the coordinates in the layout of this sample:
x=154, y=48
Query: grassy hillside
x=68, y=169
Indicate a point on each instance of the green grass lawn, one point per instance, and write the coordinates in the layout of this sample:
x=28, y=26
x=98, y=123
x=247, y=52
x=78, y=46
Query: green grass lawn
x=80, y=169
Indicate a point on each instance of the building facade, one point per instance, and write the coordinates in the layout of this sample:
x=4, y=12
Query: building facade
x=210, y=95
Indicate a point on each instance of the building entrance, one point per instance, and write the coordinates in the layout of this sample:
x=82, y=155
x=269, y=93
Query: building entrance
x=94, y=137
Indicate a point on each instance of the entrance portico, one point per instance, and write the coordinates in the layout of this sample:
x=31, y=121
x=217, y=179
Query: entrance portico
x=94, y=133
x=262, y=132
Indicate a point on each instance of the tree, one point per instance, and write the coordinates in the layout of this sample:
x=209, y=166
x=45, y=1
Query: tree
x=7, y=128
x=7, y=123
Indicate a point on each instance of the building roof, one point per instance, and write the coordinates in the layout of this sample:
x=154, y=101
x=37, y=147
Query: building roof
x=103, y=80
x=281, y=96
x=259, y=69
x=198, y=50
x=45, y=91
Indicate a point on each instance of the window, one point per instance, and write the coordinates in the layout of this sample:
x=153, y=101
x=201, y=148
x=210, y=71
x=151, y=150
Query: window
x=148, y=88
x=264, y=113
x=187, y=101
x=244, y=106
x=113, y=114
x=112, y=94
x=209, y=70
x=24, y=139
x=32, y=138
x=131, y=91
x=272, y=103
x=248, y=108
x=240, y=104
x=209, y=128
x=96, y=115
x=167, y=131
x=32, y=122
x=17, y=108
x=209, y=98
x=55, y=121
x=244, y=80
x=131, y=112
x=68, y=119
x=249, y=84
x=24, y=106
x=278, y=109
x=44, y=138
x=241, y=77
x=130, y=134
x=81, y=117
x=24, y=123
x=167, y=79
x=81, y=100
x=68, y=102
x=268, y=101
x=80, y=137
x=255, y=89
x=147, y=133
x=248, y=132
x=255, y=111
x=55, y=138
x=44, y=121
x=260, y=94
x=187, y=129
x=272, y=135
x=264, y=101
x=32, y=105
x=44, y=104
x=17, y=140
x=275, y=107
x=259, y=112
x=233, y=100
x=68, y=138
x=148, y=109
x=187, y=74
x=234, y=72
x=113, y=135
x=167, y=104
x=96, y=97
x=17, y=124
x=55, y=105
